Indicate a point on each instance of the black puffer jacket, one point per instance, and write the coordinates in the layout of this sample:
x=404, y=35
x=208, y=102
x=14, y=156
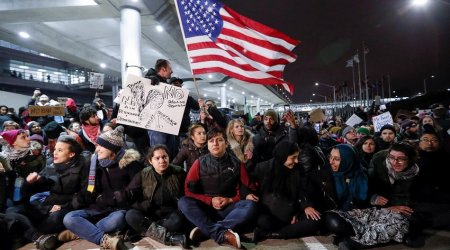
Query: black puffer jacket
x=265, y=142
x=64, y=181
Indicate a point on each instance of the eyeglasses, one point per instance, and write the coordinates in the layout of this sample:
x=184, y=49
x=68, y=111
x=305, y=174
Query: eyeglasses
x=395, y=159
x=426, y=140
x=331, y=158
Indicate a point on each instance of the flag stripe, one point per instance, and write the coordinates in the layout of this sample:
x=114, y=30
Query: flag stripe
x=247, y=67
x=260, y=27
x=261, y=63
x=278, y=51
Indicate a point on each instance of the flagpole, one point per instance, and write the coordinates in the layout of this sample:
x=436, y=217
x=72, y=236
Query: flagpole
x=354, y=86
x=365, y=73
x=185, y=46
x=359, y=80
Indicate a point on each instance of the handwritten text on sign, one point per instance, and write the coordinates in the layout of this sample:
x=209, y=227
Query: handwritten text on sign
x=46, y=110
x=381, y=120
x=159, y=107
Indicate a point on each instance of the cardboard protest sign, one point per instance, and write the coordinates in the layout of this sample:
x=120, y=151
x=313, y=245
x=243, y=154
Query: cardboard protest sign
x=381, y=120
x=159, y=107
x=353, y=120
x=316, y=115
x=96, y=80
x=46, y=110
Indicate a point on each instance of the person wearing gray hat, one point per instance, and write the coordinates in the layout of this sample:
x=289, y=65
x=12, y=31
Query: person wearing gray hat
x=268, y=134
x=111, y=170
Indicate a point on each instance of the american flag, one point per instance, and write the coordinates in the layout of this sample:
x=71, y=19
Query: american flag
x=219, y=40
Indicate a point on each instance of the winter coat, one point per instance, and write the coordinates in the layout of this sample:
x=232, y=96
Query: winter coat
x=63, y=181
x=239, y=148
x=398, y=193
x=150, y=191
x=265, y=141
x=189, y=153
x=110, y=180
x=210, y=177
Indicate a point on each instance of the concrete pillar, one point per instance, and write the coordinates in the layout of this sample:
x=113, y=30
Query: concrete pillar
x=130, y=41
x=223, y=96
x=258, y=107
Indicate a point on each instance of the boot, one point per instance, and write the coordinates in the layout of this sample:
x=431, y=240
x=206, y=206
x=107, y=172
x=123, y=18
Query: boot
x=156, y=232
x=260, y=234
x=112, y=243
x=46, y=242
x=174, y=239
x=66, y=236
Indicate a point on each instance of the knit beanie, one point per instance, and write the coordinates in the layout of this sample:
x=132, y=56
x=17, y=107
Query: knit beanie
x=347, y=130
x=10, y=136
x=363, y=130
x=272, y=113
x=112, y=140
x=53, y=130
x=390, y=127
x=38, y=138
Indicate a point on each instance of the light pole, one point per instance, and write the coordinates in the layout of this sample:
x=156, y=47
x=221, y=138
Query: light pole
x=331, y=86
x=314, y=94
x=425, y=83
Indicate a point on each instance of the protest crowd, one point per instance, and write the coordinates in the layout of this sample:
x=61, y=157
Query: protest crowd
x=85, y=175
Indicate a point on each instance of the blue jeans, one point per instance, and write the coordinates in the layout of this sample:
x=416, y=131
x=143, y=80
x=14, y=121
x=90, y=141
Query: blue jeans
x=213, y=222
x=171, y=141
x=77, y=222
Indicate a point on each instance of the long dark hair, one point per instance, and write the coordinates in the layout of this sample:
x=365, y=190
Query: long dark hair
x=281, y=182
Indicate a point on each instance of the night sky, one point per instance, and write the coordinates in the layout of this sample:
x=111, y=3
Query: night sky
x=409, y=44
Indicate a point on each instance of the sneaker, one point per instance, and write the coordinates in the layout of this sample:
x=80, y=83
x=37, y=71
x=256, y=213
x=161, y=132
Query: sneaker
x=196, y=235
x=46, y=242
x=67, y=235
x=112, y=243
x=232, y=238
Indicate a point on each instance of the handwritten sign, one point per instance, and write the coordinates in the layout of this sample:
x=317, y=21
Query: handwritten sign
x=158, y=107
x=353, y=120
x=381, y=120
x=46, y=110
x=96, y=80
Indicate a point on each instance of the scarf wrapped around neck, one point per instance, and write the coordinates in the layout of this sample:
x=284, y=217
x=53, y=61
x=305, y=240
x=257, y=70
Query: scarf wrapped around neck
x=91, y=132
x=13, y=155
x=104, y=163
x=406, y=174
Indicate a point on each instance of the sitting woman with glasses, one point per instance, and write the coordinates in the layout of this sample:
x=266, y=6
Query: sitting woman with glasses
x=391, y=175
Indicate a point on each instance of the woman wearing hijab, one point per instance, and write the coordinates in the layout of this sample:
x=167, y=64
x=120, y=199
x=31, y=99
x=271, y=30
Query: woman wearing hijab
x=285, y=210
x=392, y=173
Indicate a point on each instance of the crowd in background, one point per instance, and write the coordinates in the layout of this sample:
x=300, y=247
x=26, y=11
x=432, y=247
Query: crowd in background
x=85, y=176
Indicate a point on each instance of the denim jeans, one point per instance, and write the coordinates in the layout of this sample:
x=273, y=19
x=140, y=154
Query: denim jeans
x=171, y=141
x=213, y=222
x=77, y=222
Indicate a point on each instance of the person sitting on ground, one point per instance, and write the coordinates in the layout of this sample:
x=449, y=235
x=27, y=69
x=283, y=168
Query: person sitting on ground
x=111, y=170
x=285, y=210
x=218, y=197
x=62, y=181
x=192, y=148
x=365, y=149
x=154, y=194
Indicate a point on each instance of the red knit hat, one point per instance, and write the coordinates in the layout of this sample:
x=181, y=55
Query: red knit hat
x=11, y=135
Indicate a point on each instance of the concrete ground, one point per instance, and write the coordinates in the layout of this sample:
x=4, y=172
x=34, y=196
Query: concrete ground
x=436, y=240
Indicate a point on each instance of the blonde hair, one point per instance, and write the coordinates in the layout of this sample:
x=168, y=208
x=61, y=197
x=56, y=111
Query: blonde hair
x=231, y=125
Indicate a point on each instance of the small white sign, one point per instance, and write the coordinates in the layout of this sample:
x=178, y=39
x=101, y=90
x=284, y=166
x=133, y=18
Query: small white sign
x=381, y=120
x=96, y=80
x=156, y=107
x=353, y=120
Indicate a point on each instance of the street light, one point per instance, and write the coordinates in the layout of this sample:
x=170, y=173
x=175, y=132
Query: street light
x=314, y=94
x=425, y=83
x=419, y=2
x=331, y=86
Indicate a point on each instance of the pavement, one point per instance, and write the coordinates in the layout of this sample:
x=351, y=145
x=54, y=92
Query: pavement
x=435, y=240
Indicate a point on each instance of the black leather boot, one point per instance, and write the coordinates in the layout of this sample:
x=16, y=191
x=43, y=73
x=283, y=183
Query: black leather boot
x=175, y=239
x=156, y=232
